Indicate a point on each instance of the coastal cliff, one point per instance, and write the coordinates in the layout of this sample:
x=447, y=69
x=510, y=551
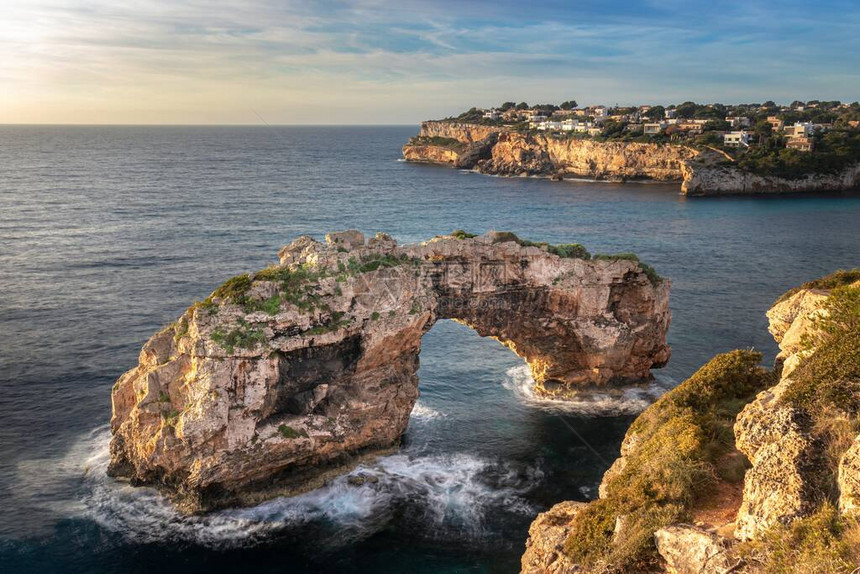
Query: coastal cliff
x=780, y=495
x=714, y=179
x=702, y=172
x=527, y=154
x=513, y=154
x=281, y=377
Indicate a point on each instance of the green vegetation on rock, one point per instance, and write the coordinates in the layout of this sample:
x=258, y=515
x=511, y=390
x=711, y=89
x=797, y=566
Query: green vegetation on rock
x=835, y=279
x=679, y=443
x=291, y=433
x=570, y=250
x=460, y=234
x=450, y=143
x=245, y=336
x=652, y=274
x=823, y=542
x=834, y=151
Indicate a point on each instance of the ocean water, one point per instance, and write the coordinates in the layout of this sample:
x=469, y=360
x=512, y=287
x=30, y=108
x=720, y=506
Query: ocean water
x=108, y=233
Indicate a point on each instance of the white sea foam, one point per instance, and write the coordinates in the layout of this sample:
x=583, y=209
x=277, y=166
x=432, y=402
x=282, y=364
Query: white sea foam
x=628, y=400
x=436, y=495
x=423, y=413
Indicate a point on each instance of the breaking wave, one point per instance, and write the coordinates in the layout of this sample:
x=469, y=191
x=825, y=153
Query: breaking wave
x=423, y=413
x=622, y=401
x=438, y=496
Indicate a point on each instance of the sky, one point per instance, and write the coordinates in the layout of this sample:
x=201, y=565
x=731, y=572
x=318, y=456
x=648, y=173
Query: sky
x=377, y=62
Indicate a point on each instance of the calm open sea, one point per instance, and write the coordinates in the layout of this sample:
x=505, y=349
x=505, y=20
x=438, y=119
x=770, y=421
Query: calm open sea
x=108, y=233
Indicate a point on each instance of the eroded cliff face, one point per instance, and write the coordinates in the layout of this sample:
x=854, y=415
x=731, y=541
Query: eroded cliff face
x=465, y=133
x=790, y=476
x=528, y=154
x=710, y=179
x=504, y=152
x=284, y=375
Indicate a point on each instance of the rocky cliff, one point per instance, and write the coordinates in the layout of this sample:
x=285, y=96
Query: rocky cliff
x=500, y=151
x=465, y=133
x=281, y=376
x=711, y=179
x=503, y=152
x=781, y=497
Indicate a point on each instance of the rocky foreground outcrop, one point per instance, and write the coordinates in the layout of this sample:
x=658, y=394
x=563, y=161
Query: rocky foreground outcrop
x=800, y=498
x=501, y=151
x=281, y=376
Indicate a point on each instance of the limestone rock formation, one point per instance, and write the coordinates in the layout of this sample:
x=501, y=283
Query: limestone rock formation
x=547, y=535
x=282, y=375
x=848, y=480
x=688, y=549
x=702, y=178
x=789, y=473
x=466, y=133
x=707, y=171
x=530, y=154
x=499, y=151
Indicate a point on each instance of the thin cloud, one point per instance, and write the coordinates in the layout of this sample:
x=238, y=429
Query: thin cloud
x=385, y=62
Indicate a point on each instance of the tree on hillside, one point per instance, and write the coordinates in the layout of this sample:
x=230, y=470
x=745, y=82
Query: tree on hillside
x=522, y=106
x=762, y=129
x=655, y=113
x=569, y=105
x=686, y=110
x=507, y=105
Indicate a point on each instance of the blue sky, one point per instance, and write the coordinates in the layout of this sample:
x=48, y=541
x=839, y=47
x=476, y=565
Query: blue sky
x=158, y=61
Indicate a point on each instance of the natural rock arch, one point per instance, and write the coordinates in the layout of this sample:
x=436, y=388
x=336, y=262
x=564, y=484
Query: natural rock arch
x=279, y=377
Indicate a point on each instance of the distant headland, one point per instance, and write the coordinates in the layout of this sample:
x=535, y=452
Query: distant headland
x=712, y=149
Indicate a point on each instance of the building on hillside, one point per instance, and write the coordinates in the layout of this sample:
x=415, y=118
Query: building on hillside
x=738, y=121
x=569, y=125
x=737, y=139
x=492, y=114
x=548, y=126
x=513, y=115
x=653, y=129
x=799, y=129
x=595, y=131
x=800, y=143
x=670, y=114
x=776, y=123
x=691, y=127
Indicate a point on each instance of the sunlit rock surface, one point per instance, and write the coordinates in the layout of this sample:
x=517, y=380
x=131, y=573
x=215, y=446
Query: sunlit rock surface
x=286, y=375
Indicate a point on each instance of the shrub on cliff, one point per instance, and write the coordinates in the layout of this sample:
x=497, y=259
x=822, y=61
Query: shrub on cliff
x=652, y=274
x=676, y=445
x=835, y=279
x=822, y=542
x=570, y=250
